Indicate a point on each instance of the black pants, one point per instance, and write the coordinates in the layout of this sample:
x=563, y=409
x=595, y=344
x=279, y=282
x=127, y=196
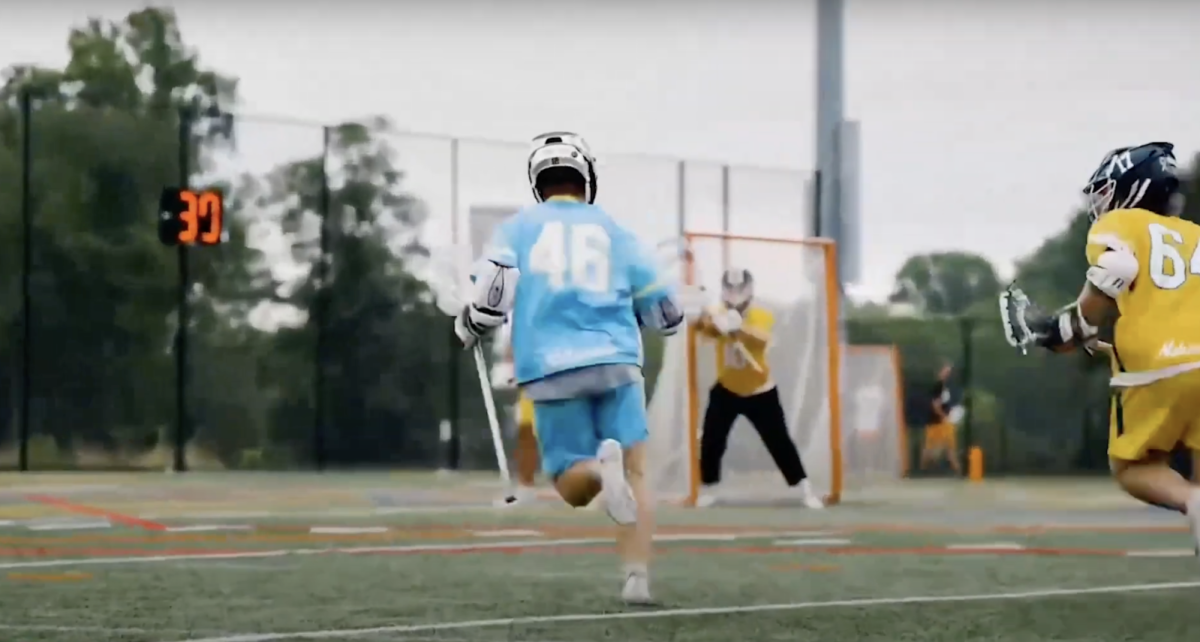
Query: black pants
x=765, y=413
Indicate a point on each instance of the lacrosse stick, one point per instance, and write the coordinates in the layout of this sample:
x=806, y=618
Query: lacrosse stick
x=448, y=300
x=1014, y=305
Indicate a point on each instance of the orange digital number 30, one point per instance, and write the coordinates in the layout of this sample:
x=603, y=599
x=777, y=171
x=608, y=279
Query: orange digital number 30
x=193, y=216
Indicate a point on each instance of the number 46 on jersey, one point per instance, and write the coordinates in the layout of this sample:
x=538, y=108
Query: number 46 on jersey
x=576, y=256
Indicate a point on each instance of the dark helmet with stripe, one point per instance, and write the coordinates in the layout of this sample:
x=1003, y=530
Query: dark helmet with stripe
x=1142, y=177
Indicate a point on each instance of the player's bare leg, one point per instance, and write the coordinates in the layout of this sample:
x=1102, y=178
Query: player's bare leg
x=580, y=484
x=635, y=541
x=1153, y=481
x=601, y=478
x=927, y=455
x=527, y=460
x=952, y=459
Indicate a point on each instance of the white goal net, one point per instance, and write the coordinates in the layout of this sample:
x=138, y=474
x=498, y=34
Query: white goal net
x=874, y=443
x=794, y=280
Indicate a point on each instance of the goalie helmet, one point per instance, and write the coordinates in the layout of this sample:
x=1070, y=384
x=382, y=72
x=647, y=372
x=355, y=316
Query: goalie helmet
x=737, y=288
x=1143, y=177
x=562, y=150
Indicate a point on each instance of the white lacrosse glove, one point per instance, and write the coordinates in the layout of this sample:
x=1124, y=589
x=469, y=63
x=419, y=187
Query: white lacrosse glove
x=475, y=322
x=504, y=376
x=495, y=288
x=693, y=300
x=727, y=321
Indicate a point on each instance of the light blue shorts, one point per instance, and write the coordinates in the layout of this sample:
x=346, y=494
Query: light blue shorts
x=570, y=430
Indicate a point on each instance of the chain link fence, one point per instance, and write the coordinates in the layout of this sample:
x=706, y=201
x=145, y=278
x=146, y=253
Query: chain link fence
x=1033, y=414
x=308, y=339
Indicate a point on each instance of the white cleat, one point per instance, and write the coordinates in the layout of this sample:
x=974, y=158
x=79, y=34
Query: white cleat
x=706, y=498
x=809, y=498
x=520, y=495
x=637, y=590
x=615, y=492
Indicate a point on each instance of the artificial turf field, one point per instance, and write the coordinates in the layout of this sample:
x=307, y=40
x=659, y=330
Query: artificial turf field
x=376, y=557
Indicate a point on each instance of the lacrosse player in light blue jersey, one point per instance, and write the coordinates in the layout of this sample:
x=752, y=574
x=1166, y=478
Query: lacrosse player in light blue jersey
x=579, y=287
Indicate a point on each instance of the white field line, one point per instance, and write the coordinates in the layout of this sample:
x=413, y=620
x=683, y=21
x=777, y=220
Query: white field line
x=811, y=542
x=70, y=526
x=341, y=513
x=511, y=532
x=346, y=550
x=209, y=528
x=328, y=634
x=352, y=550
x=701, y=537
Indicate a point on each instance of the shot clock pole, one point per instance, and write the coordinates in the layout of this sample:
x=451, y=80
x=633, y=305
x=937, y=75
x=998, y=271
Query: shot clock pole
x=322, y=310
x=181, y=331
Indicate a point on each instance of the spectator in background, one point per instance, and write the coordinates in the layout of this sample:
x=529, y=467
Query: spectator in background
x=940, y=437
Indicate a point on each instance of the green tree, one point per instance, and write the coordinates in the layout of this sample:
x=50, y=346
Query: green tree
x=945, y=282
x=105, y=142
x=387, y=344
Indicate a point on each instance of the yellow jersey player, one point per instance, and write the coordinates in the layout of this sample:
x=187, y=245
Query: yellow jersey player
x=1143, y=279
x=526, y=456
x=741, y=332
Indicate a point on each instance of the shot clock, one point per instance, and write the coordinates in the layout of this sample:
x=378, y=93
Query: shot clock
x=191, y=217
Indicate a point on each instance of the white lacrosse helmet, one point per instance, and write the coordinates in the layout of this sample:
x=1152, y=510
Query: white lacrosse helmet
x=563, y=149
x=737, y=288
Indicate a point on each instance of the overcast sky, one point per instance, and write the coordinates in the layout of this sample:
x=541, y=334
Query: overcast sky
x=980, y=119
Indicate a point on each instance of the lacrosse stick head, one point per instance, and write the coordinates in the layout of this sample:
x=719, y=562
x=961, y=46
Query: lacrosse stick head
x=449, y=277
x=1014, y=310
x=677, y=270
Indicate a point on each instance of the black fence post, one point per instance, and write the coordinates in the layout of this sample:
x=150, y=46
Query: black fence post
x=26, y=277
x=966, y=330
x=321, y=311
x=453, y=444
x=181, y=332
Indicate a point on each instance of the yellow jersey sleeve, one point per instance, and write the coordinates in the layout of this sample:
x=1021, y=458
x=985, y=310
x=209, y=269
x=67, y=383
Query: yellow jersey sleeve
x=759, y=323
x=1118, y=230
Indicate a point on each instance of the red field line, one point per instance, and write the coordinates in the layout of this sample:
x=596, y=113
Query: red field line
x=81, y=509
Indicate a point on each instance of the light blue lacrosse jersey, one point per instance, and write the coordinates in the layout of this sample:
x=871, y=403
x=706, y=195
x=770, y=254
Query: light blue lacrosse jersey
x=580, y=274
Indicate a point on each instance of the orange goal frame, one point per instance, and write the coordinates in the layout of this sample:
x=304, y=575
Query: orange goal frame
x=901, y=427
x=834, y=364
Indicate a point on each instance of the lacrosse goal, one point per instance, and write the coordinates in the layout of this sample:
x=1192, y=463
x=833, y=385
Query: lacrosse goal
x=874, y=439
x=796, y=280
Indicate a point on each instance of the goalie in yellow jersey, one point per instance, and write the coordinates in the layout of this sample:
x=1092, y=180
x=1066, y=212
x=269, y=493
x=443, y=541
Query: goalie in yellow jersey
x=742, y=333
x=1143, y=280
